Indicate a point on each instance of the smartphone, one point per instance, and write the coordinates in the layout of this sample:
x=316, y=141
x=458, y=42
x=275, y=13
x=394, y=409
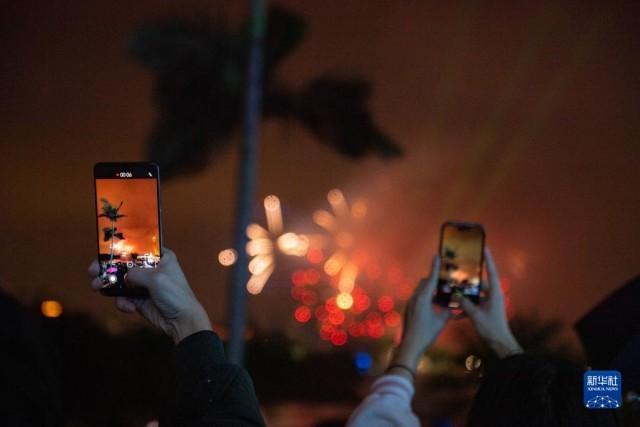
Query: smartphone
x=461, y=259
x=129, y=223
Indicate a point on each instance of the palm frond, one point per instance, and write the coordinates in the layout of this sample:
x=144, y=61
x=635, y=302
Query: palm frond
x=199, y=69
x=107, y=234
x=334, y=110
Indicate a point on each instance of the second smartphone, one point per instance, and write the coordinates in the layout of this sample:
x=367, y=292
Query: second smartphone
x=129, y=223
x=461, y=252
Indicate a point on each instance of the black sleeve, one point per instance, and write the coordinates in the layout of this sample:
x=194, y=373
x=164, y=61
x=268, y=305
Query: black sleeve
x=210, y=391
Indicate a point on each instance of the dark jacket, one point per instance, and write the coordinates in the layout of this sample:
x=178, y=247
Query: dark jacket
x=210, y=390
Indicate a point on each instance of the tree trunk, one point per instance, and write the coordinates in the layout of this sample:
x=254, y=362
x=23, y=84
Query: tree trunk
x=113, y=236
x=246, y=189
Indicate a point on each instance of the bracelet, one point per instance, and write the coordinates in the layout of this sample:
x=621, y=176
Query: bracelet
x=405, y=367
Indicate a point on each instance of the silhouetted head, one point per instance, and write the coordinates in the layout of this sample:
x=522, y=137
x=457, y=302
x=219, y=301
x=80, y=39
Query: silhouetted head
x=525, y=390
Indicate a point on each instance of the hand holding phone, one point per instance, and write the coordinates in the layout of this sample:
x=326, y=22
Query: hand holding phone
x=490, y=317
x=171, y=305
x=423, y=322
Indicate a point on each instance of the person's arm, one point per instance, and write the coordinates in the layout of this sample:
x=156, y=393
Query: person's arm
x=388, y=404
x=490, y=317
x=389, y=401
x=209, y=390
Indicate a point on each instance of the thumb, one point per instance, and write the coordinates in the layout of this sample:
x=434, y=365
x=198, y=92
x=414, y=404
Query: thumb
x=432, y=281
x=470, y=308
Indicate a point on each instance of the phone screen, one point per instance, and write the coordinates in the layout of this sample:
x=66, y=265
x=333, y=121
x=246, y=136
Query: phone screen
x=128, y=222
x=461, y=253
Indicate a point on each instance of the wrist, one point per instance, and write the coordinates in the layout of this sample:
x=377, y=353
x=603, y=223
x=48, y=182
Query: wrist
x=401, y=371
x=407, y=355
x=505, y=345
x=193, y=322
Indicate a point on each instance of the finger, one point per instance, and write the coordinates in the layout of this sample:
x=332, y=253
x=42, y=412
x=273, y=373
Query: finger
x=444, y=314
x=167, y=255
x=144, y=306
x=492, y=270
x=94, y=268
x=470, y=308
x=123, y=304
x=428, y=283
x=422, y=285
x=432, y=281
x=141, y=277
x=97, y=284
x=495, y=291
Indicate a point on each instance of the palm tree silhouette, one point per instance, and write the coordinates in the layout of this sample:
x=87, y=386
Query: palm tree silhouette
x=208, y=74
x=111, y=212
x=200, y=82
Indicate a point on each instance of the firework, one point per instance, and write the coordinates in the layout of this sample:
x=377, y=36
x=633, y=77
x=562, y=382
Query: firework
x=337, y=289
x=341, y=288
x=263, y=243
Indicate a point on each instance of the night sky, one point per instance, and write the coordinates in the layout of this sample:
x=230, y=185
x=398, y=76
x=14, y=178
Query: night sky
x=521, y=116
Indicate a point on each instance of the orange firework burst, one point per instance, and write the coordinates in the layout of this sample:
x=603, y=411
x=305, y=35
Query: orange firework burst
x=346, y=278
x=263, y=243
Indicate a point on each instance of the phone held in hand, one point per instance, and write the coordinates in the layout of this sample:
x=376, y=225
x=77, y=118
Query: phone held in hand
x=129, y=223
x=461, y=258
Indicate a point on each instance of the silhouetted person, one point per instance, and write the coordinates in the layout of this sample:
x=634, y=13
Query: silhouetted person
x=30, y=389
x=610, y=333
x=526, y=390
x=521, y=391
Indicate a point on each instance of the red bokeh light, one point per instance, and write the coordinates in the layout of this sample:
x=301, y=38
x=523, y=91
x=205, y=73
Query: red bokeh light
x=505, y=284
x=392, y=319
x=298, y=278
x=373, y=319
x=309, y=298
x=371, y=316
x=385, y=303
x=312, y=276
x=331, y=305
x=302, y=314
x=339, y=337
x=375, y=331
x=358, y=329
x=361, y=302
x=315, y=256
x=354, y=331
x=326, y=331
x=336, y=318
x=357, y=290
